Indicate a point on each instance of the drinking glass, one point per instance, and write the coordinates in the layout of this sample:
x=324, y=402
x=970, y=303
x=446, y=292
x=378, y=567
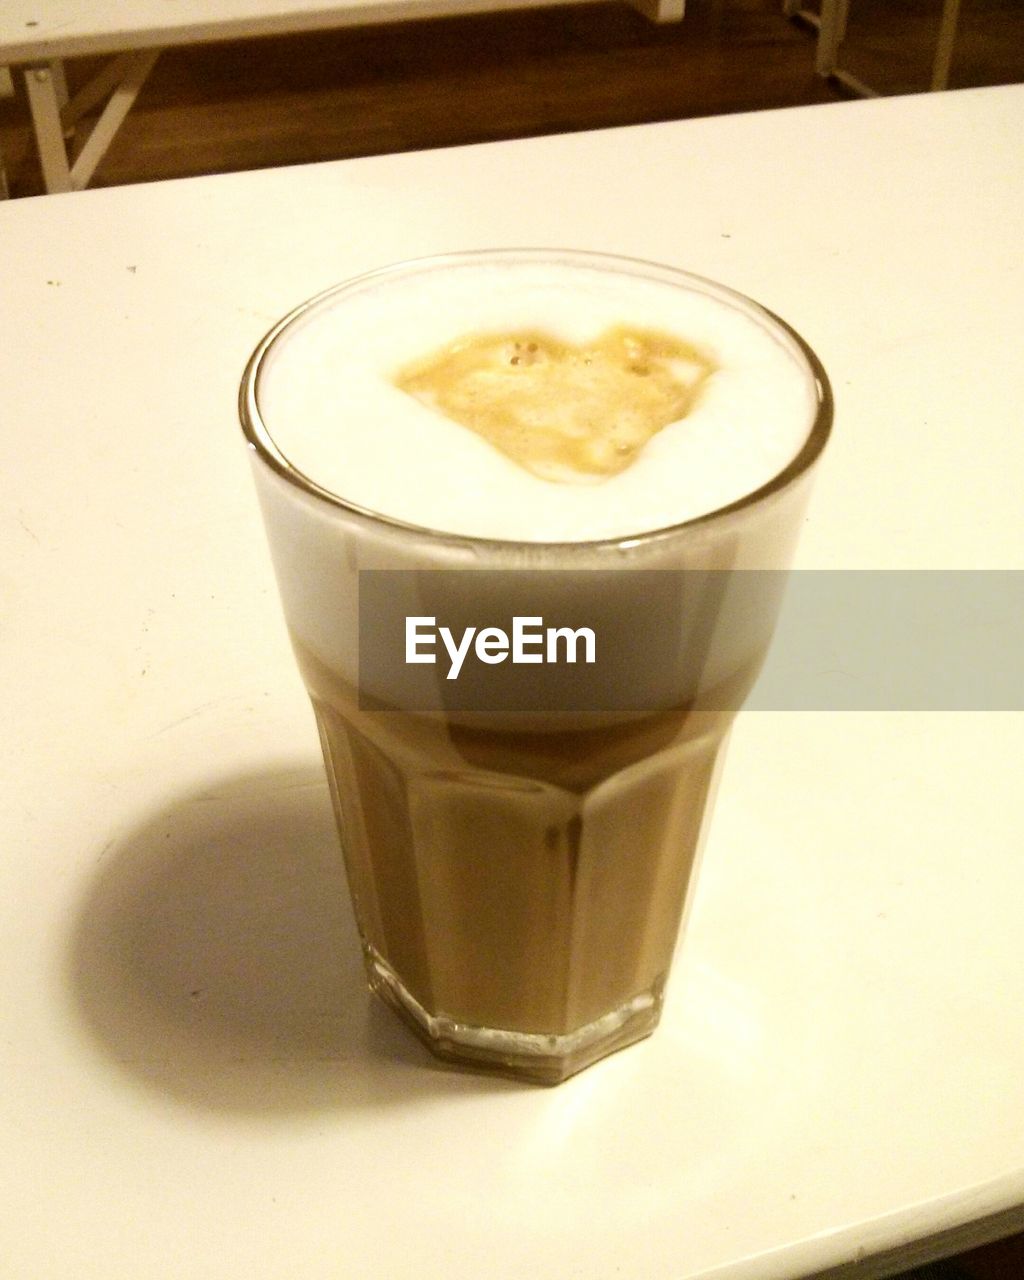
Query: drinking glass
x=519, y=870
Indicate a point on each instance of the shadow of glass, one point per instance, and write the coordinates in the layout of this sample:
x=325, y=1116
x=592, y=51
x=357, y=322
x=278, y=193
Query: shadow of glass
x=215, y=959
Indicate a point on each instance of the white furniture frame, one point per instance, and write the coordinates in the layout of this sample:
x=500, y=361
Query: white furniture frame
x=54, y=115
x=832, y=24
x=134, y=35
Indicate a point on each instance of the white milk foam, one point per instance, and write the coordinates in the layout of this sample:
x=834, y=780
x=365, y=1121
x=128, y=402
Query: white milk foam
x=328, y=400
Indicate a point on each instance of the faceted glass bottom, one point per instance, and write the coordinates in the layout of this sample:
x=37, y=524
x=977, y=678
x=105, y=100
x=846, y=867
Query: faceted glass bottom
x=540, y=1059
x=518, y=893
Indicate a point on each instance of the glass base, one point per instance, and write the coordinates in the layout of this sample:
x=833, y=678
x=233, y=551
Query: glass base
x=539, y=1058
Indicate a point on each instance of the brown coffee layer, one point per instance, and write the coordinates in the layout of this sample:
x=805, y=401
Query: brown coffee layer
x=529, y=882
x=564, y=412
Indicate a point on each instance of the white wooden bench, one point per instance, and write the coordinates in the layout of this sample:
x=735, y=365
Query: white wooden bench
x=36, y=36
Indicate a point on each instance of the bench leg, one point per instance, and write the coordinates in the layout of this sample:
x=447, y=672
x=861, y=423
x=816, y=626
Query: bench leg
x=112, y=117
x=831, y=29
x=947, y=38
x=6, y=91
x=54, y=116
x=49, y=129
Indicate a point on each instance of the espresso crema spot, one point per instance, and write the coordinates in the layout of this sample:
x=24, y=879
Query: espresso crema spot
x=565, y=412
x=547, y=399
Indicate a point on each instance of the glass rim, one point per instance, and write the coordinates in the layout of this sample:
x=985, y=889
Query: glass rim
x=261, y=441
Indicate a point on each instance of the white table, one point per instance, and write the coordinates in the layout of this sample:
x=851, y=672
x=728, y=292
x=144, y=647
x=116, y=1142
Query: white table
x=192, y=1079
x=36, y=36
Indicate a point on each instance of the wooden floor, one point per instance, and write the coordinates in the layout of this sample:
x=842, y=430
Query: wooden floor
x=375, y=90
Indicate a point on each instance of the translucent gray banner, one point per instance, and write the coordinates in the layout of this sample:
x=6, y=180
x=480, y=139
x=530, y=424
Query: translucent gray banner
x=868, y=640
x=628, y=641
